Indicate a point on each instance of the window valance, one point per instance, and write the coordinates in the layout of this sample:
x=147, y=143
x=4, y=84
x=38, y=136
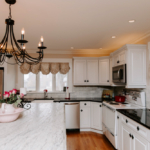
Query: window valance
x=45, y=68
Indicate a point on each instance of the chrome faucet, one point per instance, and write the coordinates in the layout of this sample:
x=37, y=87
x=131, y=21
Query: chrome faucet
x=45, y=94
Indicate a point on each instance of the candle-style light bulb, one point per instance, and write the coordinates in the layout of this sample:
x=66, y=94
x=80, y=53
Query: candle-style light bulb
x=1, y=46
x=39, y=44
x=42, y=39
x=23, y=31
x=24, y=47
x=22, y=34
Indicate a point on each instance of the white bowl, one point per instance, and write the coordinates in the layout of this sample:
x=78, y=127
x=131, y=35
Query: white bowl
x=9, y=117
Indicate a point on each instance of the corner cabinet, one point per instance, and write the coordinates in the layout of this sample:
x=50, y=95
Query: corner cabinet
x=96, y=115
x=85, y=71
x=104, y=71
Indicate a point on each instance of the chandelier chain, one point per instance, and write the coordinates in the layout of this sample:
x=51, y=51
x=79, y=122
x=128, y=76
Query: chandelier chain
x=10, y=12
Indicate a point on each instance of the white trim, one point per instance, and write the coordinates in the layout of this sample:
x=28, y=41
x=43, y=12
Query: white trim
x=92, y=130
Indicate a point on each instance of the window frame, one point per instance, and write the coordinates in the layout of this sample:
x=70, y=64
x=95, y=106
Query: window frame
x=20, y=79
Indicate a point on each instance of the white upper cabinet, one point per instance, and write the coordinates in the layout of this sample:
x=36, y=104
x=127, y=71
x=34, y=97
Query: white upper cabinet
x=96, y=115
x=92, y=72
x=104, y=71
x=119, y=58
x=85, y=71
x=80, y=72
x=134, y=56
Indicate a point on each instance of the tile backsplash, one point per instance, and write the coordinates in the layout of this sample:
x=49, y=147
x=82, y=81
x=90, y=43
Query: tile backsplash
x=78, y=92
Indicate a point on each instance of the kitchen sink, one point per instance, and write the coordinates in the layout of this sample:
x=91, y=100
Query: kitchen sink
x=44, y=98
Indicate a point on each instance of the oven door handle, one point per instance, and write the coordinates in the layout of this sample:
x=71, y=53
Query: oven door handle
x=110, y=109
x=119, y=73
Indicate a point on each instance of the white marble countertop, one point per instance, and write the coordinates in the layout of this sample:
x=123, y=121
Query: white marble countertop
x=40, y=128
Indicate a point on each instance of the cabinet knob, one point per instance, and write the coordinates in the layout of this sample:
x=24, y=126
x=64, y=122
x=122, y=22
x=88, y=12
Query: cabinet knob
x=84, y=80
x=84, y=103
x=100, y=106
x=117, y=117
x=81, y=110
x=118, y=62
x=107, y=80
x=87, y=80
x=132, y=137
x=138, y=128
x=126, y=121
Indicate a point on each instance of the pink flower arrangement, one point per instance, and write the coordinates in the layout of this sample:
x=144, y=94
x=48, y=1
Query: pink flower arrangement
x=11, y=97
x=21, y=95
x=14, y=91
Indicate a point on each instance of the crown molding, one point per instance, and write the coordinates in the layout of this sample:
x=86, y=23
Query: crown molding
x=75, y=51
x=144, y=36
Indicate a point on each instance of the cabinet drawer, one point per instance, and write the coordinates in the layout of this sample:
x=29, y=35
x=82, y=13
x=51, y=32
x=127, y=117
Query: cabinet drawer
x=84, y=104
x=139, y=129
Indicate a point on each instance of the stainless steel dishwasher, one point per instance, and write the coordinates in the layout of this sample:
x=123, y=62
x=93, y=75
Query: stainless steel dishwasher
x=72, y=114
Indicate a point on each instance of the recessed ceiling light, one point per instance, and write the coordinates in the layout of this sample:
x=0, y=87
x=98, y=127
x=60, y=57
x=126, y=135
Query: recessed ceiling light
x=113, y=37
x=100, y=48
x=72, y=47
x=131, y=21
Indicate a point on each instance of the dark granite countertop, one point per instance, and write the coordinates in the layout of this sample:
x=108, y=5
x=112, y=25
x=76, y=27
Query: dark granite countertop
x=141, y=116
x=59, y=100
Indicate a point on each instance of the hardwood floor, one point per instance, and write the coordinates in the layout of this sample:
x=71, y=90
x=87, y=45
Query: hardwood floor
x=87, y=141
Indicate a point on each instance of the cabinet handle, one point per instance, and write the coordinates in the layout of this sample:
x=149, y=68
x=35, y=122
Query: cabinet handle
x=138, y=128
x=126, y=121
x=132, y=137
x=84, y=80
x=99, y=105
x=87, y=80
x=81, y=110
x=107, y=80
x=85, y=104
x=117, y=117
x=118, y=62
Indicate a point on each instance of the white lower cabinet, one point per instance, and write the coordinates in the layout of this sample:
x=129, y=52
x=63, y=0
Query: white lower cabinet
x=91, y=116
x=130, y=139
x=96, y=115
x=84, y=115
x=126, y=140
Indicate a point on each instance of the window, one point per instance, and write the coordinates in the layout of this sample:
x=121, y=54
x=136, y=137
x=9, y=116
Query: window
x=50, y=82
x=30, y=81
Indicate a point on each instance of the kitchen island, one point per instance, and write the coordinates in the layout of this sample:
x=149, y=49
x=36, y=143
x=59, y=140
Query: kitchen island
x=40, y=128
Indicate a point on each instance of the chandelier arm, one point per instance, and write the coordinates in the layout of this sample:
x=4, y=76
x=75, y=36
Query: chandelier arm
x=34, y=58
x=11, y=38
x=7, y=39
x=16, y=41
x=4, y=35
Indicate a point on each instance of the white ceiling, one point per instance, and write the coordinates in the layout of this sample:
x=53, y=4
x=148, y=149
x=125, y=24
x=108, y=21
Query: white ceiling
x=82, y=24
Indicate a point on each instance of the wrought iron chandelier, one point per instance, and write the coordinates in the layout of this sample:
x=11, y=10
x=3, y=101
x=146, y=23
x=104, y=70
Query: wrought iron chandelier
x=18, y=52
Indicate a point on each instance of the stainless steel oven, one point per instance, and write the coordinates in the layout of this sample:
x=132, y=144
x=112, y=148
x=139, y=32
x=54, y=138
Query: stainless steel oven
x=119, y=74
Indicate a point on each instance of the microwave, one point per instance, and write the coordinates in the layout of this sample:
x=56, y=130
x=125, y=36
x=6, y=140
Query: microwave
x=119, y=74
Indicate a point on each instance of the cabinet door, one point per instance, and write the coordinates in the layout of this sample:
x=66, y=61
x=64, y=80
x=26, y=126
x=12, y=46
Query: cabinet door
x=122, y=58
x=96, y=115
x=79, y=72
x=84, y=117
x=137, y=70
x=139, y=143
x=104, y=72
x=92, y=72
x=116, y=60
x=126, y=140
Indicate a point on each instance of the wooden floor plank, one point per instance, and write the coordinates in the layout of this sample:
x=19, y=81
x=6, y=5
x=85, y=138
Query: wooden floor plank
x=87, y=141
